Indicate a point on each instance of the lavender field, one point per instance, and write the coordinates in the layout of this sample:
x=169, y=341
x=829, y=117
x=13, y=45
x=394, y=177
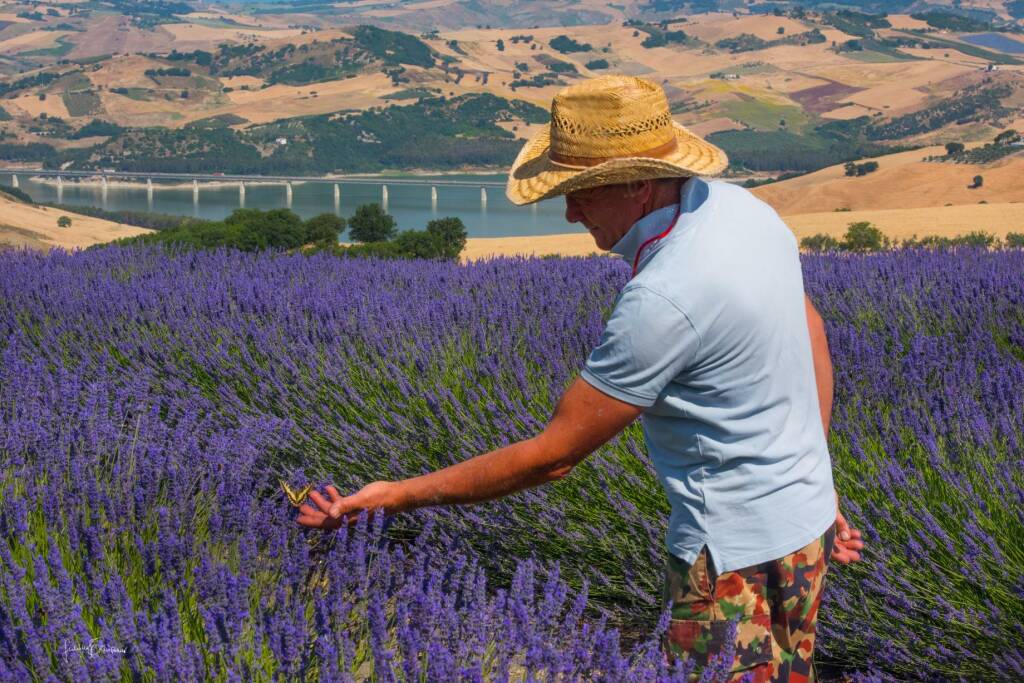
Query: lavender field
x=149, y=403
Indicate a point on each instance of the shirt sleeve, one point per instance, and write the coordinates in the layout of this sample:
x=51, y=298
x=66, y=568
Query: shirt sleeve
x=647, y=343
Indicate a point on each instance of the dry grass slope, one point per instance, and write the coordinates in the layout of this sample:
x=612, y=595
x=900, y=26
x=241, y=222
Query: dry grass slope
x=36, y=227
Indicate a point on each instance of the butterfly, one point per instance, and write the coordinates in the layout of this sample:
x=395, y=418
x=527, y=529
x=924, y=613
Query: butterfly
x=295, y=497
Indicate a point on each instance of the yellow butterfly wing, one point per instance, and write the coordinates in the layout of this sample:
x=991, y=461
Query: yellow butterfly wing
x=295, y=497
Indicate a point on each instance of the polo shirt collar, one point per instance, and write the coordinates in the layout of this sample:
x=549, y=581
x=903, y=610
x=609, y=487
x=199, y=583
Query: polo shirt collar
x=654, y=223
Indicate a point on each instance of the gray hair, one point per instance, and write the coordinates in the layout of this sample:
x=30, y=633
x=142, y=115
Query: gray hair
x=632, y=186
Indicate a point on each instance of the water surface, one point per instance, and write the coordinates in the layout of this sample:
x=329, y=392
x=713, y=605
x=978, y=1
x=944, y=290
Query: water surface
x=995, y=41
x=410, y=205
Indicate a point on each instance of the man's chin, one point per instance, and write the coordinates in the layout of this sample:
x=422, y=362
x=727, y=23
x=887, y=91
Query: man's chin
x=599, y=242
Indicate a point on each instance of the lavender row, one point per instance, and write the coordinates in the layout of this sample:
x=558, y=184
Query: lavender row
x=135, y=548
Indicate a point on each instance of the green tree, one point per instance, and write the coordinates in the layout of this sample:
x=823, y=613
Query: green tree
x=954, y=148
x=820, y=242
x=978, y=180
x=64, y=222
x=501, y=45
x=417, y=244
x=450, y=234
x=324, y=228
x=864, y=237
x=278, y=228
x=371, y=224
x=1007, y=137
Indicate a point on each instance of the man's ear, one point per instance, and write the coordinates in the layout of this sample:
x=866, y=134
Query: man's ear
x=641, y=191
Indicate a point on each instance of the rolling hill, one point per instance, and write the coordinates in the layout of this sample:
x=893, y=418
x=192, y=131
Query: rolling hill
x=113, y=84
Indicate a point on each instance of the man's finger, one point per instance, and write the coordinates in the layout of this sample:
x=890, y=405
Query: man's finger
x=307, y=509
x=842, y=527
x=320, y=501
x=845, y=553
x=311, y=519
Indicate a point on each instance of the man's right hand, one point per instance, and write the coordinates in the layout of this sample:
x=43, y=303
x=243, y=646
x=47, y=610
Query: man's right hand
x=848, y=543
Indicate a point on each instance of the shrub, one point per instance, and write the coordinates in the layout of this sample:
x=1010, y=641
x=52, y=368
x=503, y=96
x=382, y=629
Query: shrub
x=175, y=71
x=1015, y=240
x=853, y=169
x=64, y=222
x=862, y=236
x=1007, y=137
x=977, y=238
x=416, y=244
x=371, y=224
x=450, y=234
x=565, y=45
x=324, y=228
x=97, y=127
x=820, y=242
x=278, y=228
x=245, y=229
x=978, y=180
x=369, y=250
x=596, y=64
x=954, y=148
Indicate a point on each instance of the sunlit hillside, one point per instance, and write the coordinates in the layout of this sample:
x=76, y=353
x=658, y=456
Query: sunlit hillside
x=780, y=91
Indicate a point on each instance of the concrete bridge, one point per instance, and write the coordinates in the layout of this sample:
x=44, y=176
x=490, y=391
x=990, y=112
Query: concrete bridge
x=223, y=178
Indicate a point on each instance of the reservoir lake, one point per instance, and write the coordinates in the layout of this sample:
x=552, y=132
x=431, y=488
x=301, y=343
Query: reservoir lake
x=410, y=205
x=995, y=41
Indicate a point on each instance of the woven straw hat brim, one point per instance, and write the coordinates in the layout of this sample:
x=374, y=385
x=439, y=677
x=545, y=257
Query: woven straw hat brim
x=534, y=176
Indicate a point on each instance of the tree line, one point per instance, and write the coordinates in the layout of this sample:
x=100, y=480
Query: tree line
x=862, y=238
x=372, y=231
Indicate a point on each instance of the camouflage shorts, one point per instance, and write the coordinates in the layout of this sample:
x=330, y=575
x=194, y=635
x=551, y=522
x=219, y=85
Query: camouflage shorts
x=776, y=603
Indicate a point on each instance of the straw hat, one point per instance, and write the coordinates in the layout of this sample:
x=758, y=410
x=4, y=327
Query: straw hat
x=604, y=131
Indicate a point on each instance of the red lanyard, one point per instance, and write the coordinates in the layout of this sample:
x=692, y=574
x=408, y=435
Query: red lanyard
x=671, y=224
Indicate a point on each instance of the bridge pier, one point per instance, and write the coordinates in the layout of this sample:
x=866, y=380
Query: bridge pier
x=337, y=199
x=149, y=193
x=60, y=190
x=288, y=194
x=384, y=198
x=433, y=199
x=14, y=180
x=195, y=192
x=241, y=195
x=103, y=190
x=483, y=198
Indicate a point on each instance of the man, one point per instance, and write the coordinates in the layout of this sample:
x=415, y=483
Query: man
x=715, y=345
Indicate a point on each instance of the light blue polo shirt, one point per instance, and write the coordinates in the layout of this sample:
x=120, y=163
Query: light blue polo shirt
x=710, y=337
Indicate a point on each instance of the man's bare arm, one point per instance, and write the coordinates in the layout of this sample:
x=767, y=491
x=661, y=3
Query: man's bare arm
x=822, y=362
x=584, y=419
x=848, y=543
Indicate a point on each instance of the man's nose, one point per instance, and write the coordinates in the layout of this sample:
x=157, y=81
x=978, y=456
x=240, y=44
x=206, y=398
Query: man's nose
x=572, y=210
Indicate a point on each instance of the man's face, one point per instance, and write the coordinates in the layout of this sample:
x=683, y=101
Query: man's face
x=608, y=211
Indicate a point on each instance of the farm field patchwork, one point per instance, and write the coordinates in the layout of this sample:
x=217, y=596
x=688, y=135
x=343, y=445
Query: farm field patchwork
x=149, y=403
